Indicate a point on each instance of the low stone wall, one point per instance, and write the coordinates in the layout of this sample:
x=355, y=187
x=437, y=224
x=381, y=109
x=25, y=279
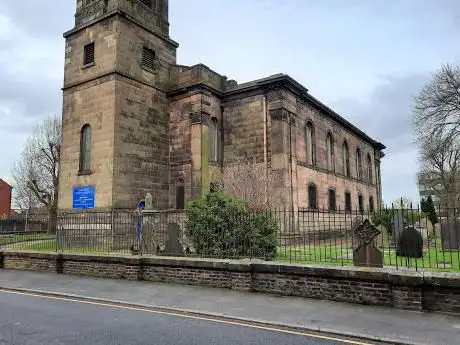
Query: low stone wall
x=402, y=290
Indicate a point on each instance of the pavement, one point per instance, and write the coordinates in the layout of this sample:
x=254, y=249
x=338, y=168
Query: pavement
x=40, y=321
x=366, y=322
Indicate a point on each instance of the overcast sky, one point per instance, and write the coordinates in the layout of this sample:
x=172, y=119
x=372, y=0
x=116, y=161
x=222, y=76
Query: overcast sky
x=365, y=59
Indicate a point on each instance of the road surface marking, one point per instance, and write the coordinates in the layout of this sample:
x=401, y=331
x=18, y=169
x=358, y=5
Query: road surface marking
x=216, y=320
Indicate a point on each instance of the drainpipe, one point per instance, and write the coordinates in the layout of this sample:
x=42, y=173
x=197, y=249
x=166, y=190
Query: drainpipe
x=290, y=163
x=265, y=115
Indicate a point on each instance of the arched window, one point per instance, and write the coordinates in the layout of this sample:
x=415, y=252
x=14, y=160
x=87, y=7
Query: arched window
x=371, y=203
x=310, y=143
x=180, y=194
x=359, y=164
x=331, y=200
x=213, y=140
x=85, y=149
x=369, y=169
x=330, y=151
x=360, y=203
x=347, y=202
x=312, y=200
x=346, y=159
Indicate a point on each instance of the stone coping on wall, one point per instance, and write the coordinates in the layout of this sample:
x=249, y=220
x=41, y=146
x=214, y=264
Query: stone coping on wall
x=377, y=286
x=370, y=274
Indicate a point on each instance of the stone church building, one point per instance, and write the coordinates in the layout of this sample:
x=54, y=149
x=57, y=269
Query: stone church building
x=135, y=121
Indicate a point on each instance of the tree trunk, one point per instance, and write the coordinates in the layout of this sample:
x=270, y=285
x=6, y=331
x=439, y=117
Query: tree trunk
x=52, y=221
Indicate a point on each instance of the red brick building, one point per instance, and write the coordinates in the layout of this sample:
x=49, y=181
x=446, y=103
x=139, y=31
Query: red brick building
x=5, y=199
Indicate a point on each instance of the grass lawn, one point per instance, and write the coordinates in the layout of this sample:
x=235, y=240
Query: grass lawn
x=26, y=237
x=50, y=246
x=433, y=259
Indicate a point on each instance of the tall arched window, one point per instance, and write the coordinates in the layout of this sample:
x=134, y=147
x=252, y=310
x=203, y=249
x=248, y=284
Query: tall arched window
x=371, y=203
x=312, y=200
x=310, y=143
x=346, y=159
x=347, y=202
x=369, y=169
x=331, y=200
x=330, y=151
x=360, y=203
x=180, y=194
x=213, y=140
x=85, y=149
x=359, y=164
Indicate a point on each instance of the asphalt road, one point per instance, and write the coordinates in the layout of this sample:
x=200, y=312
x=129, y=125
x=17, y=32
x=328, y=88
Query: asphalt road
x=29, y=319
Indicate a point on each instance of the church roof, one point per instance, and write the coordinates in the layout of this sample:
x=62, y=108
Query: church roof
x=295, y=86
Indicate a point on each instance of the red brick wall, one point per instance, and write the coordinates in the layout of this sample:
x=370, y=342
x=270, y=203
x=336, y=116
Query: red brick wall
x=5, y=199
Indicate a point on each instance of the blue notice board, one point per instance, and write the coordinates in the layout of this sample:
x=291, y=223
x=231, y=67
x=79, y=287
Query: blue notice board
x=83, y=198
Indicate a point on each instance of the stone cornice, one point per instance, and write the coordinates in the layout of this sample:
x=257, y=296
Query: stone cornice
x=200, y=117
x=119, y=12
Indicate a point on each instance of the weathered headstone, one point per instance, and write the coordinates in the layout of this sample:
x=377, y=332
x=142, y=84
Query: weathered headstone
x=429, y=226
x=397, y=226
x=149, y=242
x=148, y=201
x=355, y=223
x=410, y=243
x=450, y=234
x=382, y=239
x=437, y=229
x=421, y=227
x=367, y=254
x=173, y=245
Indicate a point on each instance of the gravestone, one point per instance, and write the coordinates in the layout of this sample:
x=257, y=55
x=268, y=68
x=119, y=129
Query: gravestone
x=410, y=243
x=450, y=231
x=148, y=202
x=149, y=242
x=355, y=223
x=429, y=226
x=437, y=229
x=367, y=254
x=382, y=239
x=422, y=229
x=173, y=245
x=397, y=226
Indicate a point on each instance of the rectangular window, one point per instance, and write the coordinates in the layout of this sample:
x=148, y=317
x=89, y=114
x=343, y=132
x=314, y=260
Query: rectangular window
x=148, y=58
x=88, y=54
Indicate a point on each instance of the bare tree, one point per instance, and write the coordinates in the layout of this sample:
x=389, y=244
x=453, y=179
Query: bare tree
x=36, y=173
x=437, y=106
x=440, y=165
x=402, y=203
x=436, y=119
x=252, y=181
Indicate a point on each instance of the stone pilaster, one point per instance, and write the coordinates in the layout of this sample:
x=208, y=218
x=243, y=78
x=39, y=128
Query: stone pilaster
x=280, y=152
x=200, y=152
x=293, y=157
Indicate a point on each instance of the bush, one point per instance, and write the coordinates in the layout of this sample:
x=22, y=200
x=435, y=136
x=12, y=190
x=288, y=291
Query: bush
x=221, y=226
x=383, y=217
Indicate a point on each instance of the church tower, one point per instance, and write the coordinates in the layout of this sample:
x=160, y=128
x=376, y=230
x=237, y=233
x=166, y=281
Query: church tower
x=115, y=131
